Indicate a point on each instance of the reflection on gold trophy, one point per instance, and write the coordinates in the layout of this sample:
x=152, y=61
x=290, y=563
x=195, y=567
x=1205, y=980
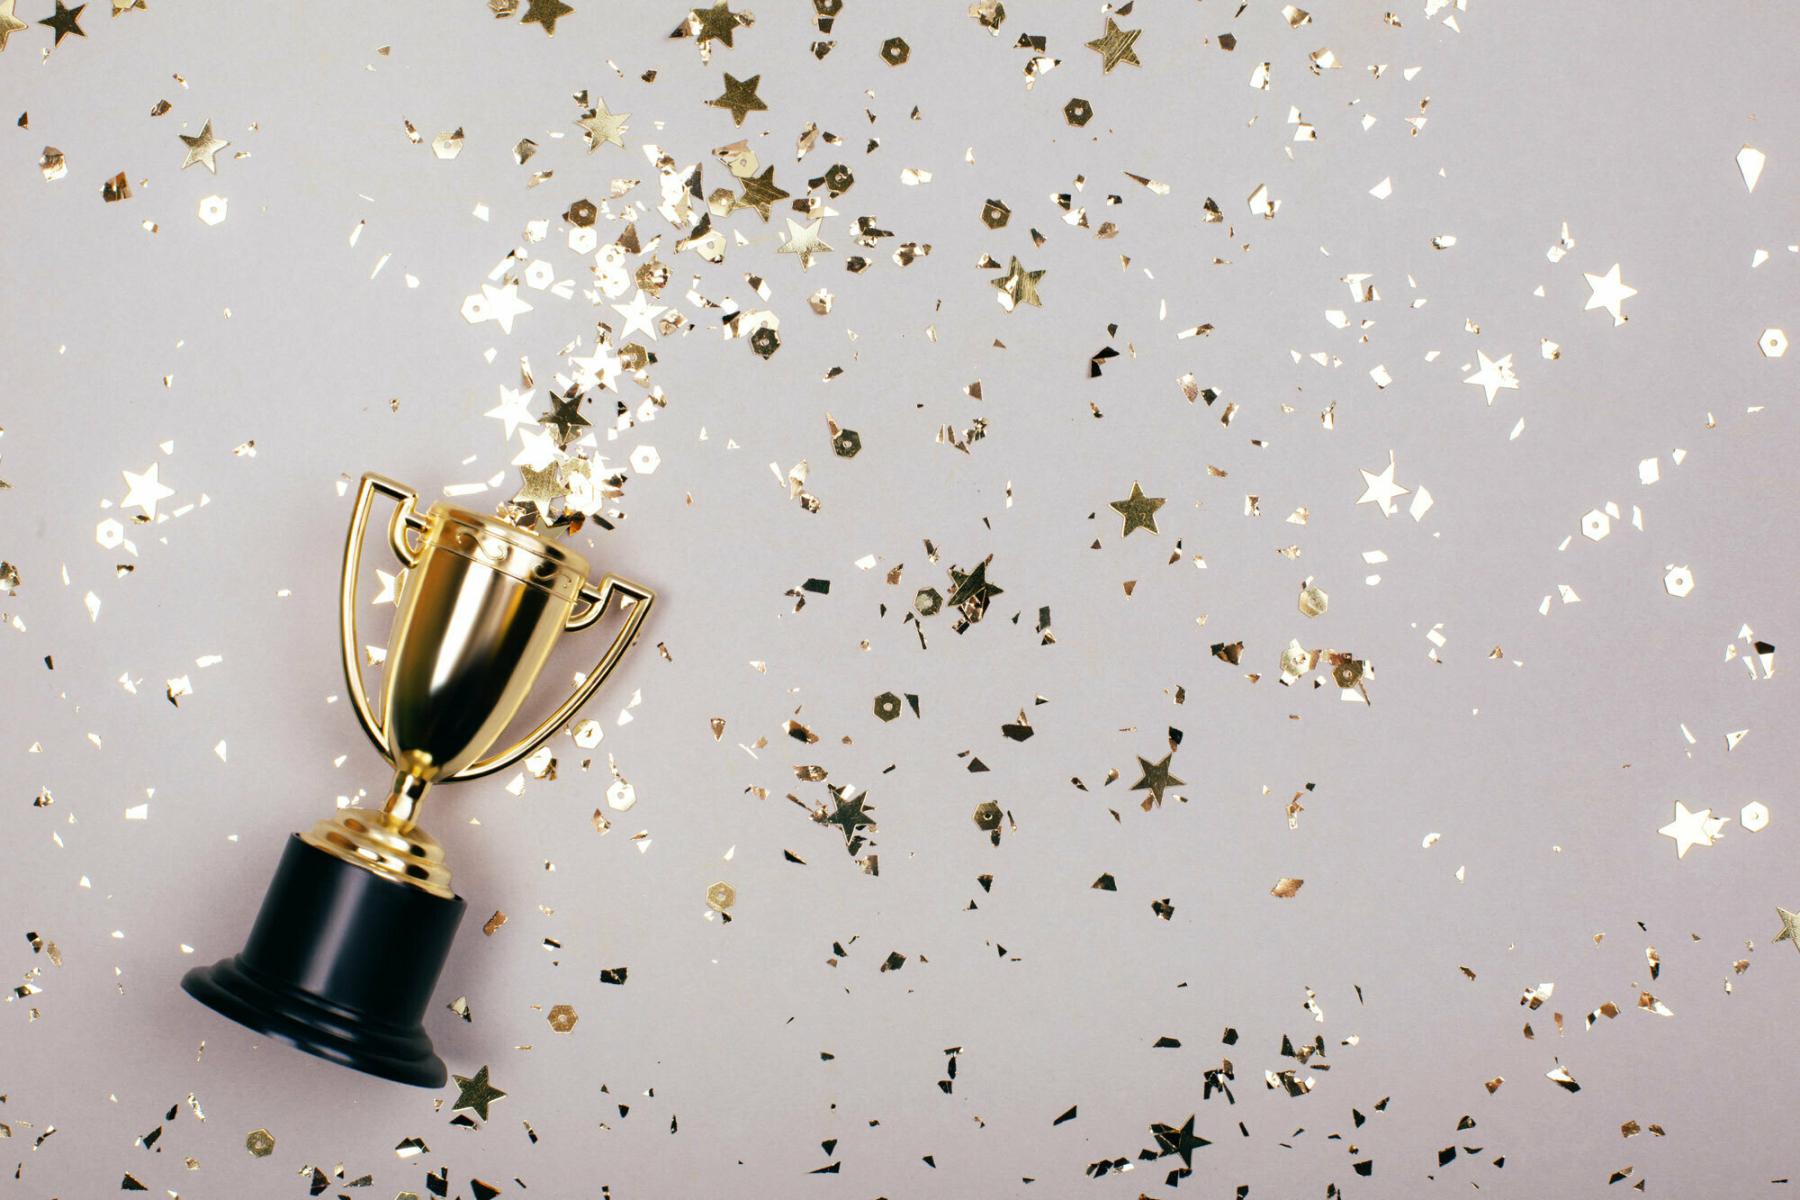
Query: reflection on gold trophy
x=359, y=918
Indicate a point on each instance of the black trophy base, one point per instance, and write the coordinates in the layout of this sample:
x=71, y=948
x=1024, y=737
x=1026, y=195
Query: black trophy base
x=340, y=963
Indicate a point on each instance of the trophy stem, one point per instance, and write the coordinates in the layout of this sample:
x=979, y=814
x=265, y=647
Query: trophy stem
x=402, y=805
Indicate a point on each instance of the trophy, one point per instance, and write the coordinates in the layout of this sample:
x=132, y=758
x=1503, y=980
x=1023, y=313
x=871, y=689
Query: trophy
x=359, y=918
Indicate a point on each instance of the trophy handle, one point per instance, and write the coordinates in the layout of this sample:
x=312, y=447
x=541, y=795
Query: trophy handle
x=598, y=599
x=405, y=517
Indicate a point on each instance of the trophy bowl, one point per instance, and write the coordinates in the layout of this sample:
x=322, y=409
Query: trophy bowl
x=360, y=916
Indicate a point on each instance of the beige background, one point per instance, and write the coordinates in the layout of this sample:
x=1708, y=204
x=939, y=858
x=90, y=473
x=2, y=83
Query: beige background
x=1546, y=770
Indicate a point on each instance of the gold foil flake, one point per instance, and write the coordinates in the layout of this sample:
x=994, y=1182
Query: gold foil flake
x=202, y=150
x=1114, y=46
x=260, y=1143
x=1313, y=600
x=1608, y=291
x=492, y=925
x=1750, y=162
x=1285, y=888
x=116, y=189
x=53, y=164
x=562, y=1018
x=1137, y=510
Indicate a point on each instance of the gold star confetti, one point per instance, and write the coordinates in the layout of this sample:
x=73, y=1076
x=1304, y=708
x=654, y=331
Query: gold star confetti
x=202, y=149
x=125, y=6
x=602, y=125
x=760, y=193
x=564, y=419
x=143, y=491
x=474, y=1094
x=1138, y=510
x=514, y=409
x=639, y=314
x=1018, y=286
x=9, y=23
x=715, y=24
x=539, y=487
x=1154, y=777
x=804, y=240
x=1790, y=927
x=1381, y=489
x=1114, y=47
x=1493, y=375
x=546, y=13
x=1690, y=829
x=1609, y=292
x=850, y=816
x=740, y=97
x=64, y=21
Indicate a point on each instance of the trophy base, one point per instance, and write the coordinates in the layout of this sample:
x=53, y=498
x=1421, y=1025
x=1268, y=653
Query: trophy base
x=341, y=964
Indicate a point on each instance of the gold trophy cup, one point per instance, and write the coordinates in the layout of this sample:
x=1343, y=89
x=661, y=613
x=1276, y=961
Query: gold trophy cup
x=359, y=918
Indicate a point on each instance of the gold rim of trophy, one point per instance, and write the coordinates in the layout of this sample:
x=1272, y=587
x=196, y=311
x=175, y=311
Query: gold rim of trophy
x=542, y=591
